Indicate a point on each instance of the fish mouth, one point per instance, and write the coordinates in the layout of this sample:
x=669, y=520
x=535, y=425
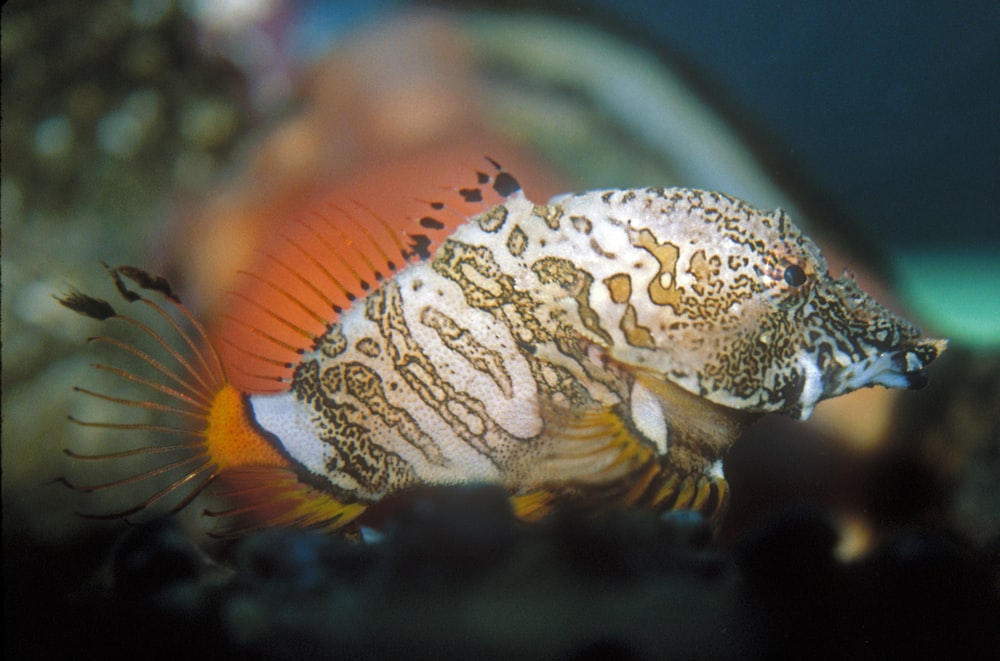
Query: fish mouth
x=904, y=367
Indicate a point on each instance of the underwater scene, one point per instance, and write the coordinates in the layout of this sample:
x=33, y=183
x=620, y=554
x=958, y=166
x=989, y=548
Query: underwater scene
x=456, y=329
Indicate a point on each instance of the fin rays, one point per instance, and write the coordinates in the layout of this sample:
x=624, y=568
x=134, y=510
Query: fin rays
x=193, y=398
x=195, y=373
x=618, y=468
x=271, y=497
x=327, y=261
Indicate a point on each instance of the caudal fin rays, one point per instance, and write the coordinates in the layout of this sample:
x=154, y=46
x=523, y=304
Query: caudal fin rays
x=193, y=381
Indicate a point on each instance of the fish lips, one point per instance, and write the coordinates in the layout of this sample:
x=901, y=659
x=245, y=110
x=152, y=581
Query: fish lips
x=903, y=367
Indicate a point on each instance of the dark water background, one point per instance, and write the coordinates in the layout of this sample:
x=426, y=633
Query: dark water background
x=893, y=106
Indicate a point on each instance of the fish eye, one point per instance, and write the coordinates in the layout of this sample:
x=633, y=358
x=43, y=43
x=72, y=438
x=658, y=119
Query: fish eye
x=795, y=275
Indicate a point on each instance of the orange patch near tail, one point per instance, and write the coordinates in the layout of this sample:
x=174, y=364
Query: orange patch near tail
x=232, y=439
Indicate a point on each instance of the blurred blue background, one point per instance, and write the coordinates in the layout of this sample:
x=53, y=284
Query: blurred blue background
x=893, y=106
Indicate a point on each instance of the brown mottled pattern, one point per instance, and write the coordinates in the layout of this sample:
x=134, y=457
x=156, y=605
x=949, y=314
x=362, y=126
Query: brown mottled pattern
x=348, y=435
x=462, y=342
x=365, y=385
x=582, y=224
x=493, y=220
x=576, y=282
x=551, y=214
x=332, y=343
x=466, y=415
x=517, y=241
x=368, y=347
x=636, y=335
x=486, y=287
x=663, y=289
x=619, y=287
x=472, y=266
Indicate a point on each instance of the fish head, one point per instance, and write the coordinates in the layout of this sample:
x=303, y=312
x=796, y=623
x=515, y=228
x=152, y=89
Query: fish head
x=805, y=336
x=755, y=322
x=848, y=340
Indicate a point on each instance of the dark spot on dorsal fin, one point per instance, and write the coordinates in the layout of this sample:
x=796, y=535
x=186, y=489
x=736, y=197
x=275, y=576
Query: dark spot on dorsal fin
x=420, y=246
x=505, y=184
x=95, y=308
x=431, y=223
x=150, y=282
x=471, y=194
x=120, y=285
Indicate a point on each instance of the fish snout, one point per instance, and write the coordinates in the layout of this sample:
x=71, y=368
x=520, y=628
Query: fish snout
x=911, y=363
x=904, y=367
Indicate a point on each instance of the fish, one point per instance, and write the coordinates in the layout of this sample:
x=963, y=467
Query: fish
x=603, y=350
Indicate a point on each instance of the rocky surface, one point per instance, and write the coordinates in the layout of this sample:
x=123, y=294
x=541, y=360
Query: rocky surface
x=455, y=576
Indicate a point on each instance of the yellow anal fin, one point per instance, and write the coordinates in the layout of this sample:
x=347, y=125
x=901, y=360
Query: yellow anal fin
x=708, y=494
x=533, y=506
x=272, y=497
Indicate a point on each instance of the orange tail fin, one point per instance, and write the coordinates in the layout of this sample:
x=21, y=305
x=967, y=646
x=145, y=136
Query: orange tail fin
x=212, y=437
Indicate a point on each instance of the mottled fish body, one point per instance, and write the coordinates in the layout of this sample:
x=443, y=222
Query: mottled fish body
x=604, y=349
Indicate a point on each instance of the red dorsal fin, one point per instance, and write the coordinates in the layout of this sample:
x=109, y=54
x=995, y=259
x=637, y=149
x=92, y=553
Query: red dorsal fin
x=324, y=262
